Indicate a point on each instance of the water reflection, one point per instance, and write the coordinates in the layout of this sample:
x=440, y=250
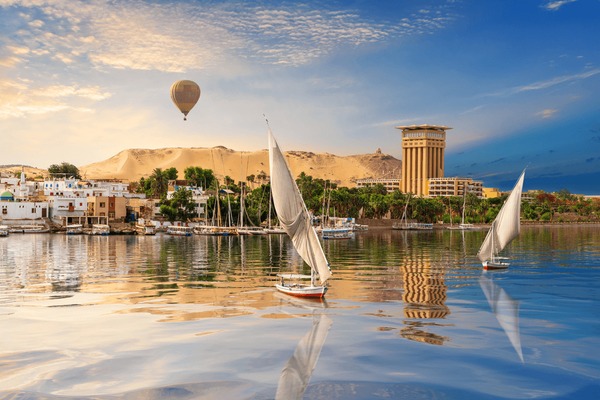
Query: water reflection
x=73, y=310
x=424, y=297
x=298, y=370
x=506, y=311
x=64, y=271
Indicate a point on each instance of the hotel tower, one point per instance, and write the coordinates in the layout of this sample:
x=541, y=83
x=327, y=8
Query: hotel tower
x=422, y=157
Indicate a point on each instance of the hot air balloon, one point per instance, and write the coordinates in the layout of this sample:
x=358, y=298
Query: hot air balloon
x=185, y=95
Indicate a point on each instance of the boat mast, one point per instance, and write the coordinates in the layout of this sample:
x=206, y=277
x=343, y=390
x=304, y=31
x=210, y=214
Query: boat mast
x=464, y=203
x=323, y=209
x=403, y=220
x=492, y=247
x=269, y=215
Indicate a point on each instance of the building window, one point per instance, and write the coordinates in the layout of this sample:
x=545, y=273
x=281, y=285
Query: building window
x=33, y=210
x=102, y=204
x=4, y=211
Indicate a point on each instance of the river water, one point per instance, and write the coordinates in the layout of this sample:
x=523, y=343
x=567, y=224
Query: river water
x=409, y=315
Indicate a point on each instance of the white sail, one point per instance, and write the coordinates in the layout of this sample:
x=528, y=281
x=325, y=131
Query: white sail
x=506, y=310
x=506, y=226
x=298, y=370
x=292, y=213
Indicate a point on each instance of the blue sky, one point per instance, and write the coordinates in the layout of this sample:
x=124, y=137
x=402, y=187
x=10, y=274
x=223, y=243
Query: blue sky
x=518, y=81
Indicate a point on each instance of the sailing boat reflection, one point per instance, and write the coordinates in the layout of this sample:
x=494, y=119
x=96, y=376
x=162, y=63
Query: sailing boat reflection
x=296, y=374
x=506, y=310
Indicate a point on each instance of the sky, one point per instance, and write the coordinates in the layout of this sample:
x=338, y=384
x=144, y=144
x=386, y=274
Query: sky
x=518, y=81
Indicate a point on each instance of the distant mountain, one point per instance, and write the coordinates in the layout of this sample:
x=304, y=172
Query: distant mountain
x=133, y=164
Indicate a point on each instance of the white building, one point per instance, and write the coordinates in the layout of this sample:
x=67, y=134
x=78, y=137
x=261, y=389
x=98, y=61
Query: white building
x=65, y=210
x=19, y=187
x=79, y=188
x=68, y=197
x=198, y=196
x=23, y=210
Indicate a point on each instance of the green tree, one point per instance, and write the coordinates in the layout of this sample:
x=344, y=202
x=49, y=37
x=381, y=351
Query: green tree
x=171, y=173
x=159, y=183
x=250, y=179
x=199, y=177
x=66, y=169
x=181, y=207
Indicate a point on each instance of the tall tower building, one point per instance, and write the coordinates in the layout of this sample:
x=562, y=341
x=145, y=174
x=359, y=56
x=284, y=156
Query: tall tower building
x=422, y=156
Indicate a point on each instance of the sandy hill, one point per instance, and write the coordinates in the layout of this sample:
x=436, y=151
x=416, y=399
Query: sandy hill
x=133, y=164
x=30, y=172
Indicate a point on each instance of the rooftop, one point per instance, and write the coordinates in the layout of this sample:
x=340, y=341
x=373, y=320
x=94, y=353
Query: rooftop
x=423, y=127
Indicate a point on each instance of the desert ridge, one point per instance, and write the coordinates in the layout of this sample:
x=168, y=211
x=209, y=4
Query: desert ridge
x=133, y=164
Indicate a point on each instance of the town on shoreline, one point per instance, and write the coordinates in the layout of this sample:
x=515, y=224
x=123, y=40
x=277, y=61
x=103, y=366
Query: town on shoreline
x=64, y=202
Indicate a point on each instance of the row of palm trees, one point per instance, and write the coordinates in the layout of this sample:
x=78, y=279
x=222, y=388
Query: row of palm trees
x=323, y=197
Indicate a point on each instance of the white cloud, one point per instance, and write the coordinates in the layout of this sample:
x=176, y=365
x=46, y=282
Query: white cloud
x=175, y=37
x=540, y=85
x=547, y=113
x=22, y=98
x=556, y=5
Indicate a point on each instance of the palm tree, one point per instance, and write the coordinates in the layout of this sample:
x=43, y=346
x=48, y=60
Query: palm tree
x=160, y=183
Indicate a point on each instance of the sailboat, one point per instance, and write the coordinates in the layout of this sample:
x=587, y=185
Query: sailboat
x=506, y=310
x=504, y=229
x=463, y=226
x=297, y=223
x=411, y=226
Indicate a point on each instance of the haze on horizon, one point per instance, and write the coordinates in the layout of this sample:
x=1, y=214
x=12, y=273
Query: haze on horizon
x=519, y=82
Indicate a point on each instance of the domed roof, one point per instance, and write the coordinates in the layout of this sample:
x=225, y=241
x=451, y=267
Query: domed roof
x=6, y=195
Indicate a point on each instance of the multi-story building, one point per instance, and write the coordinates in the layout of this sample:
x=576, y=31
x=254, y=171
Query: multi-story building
x=390, y=184
x=114, y=208
x=454, y=187
x=422, y=156
x=490, y=193
x=78, y=188
x=67, y=210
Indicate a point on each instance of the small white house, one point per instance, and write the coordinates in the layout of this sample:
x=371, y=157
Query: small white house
x=23, y=210
x=66, y=210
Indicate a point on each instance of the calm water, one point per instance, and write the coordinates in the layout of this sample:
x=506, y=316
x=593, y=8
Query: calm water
x=407, y=316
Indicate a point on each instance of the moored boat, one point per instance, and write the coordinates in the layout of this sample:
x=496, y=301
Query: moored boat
x=404, y=225
x=28, y=229
x=74, y=229
x=176, y=230
x=337, y=233
x=100, y=229
x=145, y=229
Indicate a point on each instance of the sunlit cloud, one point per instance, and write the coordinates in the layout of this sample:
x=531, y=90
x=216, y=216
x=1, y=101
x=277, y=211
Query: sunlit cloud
x=556, y=5
x=175, y=37
x=20, y=98
x=547, y=113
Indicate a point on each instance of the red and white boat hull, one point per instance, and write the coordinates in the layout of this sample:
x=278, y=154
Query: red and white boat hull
x=302, y=290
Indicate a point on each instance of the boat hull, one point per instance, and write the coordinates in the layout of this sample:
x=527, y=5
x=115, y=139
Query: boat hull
x=299, y=290
x=491, y=265
x=336, y=234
